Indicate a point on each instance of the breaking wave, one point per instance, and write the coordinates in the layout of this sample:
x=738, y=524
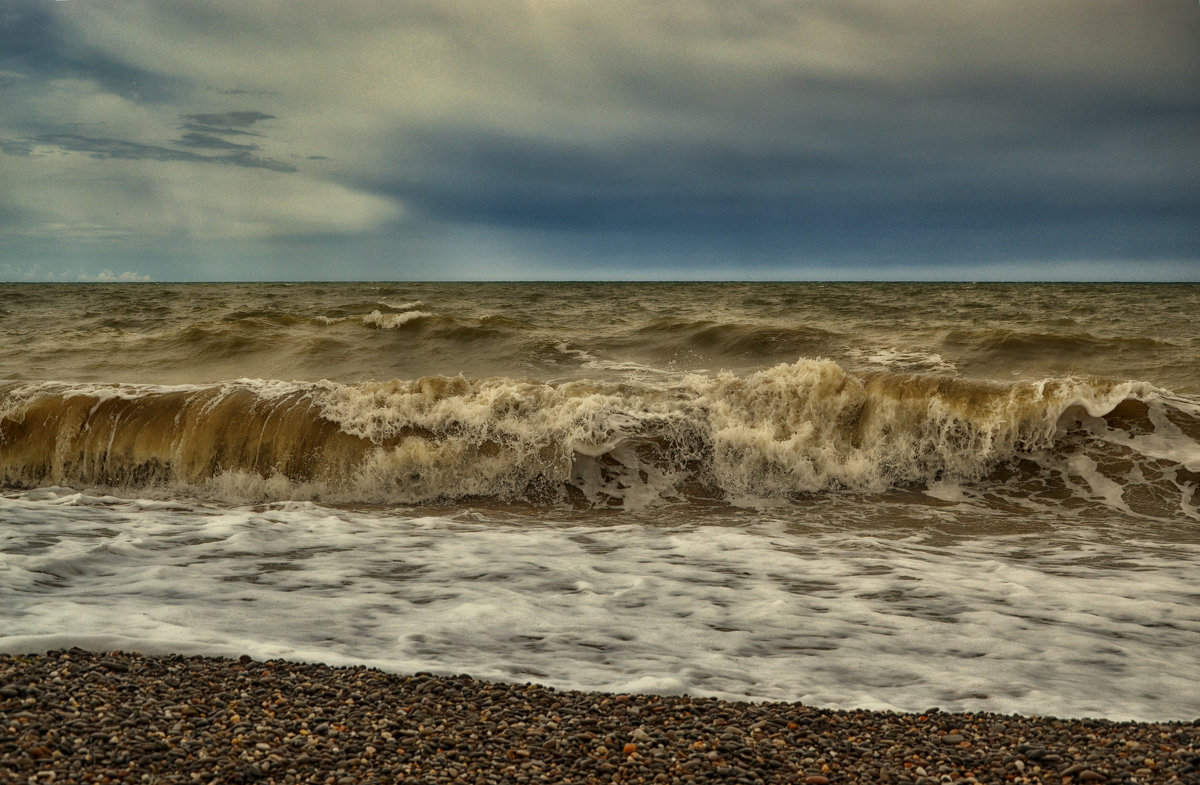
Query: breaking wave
x=788, y=432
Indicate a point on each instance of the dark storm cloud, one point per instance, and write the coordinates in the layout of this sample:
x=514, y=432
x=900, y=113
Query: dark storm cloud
x=932, y=131
x=642, y=184
x=966, y=164
x=33, y=43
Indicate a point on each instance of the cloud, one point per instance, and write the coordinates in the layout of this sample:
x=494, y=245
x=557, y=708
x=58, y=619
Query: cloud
x=35, y=42
x=118, y=148
x=108, y=276
x=226, y=121
x=212, y=142
x=36, y=273
x=22, y=147
x=762, y=132
x=143, y=199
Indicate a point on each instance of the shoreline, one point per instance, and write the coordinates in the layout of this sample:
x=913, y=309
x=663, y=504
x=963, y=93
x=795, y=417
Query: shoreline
x=79, y=716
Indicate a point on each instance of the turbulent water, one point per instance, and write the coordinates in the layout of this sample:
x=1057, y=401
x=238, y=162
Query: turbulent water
x=884, y=496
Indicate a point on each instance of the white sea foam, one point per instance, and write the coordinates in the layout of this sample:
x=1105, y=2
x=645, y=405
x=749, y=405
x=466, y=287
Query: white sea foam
x=903, y=360
x=377, y=318
x=390, y=321
x=625, y=368
x=1052, y=621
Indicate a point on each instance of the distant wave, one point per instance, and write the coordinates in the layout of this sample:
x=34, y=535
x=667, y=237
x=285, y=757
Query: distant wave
x=402, y=306
x=737, y=339
x=1018, y=344
x=797, y=429
x=376, y=318
x=391, y=321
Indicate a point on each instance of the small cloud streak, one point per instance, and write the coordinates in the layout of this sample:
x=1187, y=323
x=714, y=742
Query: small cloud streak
x=119, y=148
x=228, y=120
x=211, y=142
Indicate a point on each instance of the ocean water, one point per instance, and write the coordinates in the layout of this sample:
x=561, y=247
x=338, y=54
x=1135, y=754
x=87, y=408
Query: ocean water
x=888, y=496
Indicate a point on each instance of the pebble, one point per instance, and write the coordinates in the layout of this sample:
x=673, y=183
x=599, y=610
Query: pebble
x=114, y=665
x=122, y=718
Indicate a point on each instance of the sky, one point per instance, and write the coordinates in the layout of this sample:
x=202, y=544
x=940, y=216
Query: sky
x=599, y=139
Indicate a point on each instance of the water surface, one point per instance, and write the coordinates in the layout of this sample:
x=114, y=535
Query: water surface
x=874, y=495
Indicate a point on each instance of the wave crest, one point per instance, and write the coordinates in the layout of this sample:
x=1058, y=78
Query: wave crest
x=801, y=428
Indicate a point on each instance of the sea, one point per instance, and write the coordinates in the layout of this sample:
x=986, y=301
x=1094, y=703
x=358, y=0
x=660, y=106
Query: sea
x=976, y=497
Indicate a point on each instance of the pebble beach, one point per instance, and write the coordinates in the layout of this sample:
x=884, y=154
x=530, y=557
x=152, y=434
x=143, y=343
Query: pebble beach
x=76, y=716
